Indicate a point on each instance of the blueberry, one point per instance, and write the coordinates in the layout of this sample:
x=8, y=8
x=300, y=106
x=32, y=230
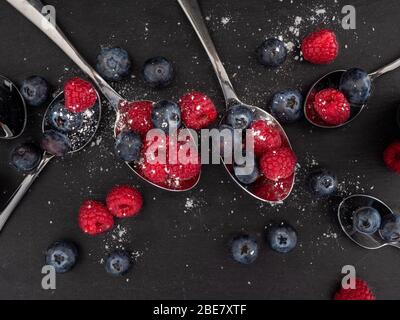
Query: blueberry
x=35, y=91
x=166, y=115
x=390, y=228
x=64, y=120
x=282, y=238
x=231, y=139
x=239, y=117
x=244, y=249
x=322, y=183
x=118, y=263
x=128, y=146
x=62, y=255
x=26, y=157
x=55, y=143
x=272, y=53
x=287, y=106
x=158, y=72
x=247, y=175
x=367, y=220
x=356, y=86
x=114, y=64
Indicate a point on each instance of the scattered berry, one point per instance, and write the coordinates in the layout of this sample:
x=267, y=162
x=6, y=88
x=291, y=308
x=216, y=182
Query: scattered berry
x=391, y=157
x=244, y=249
x=94, y=218
x=247, y=173
x=118, y=263
x=322, y=183
x=332, y=106
x=239, y=117
x=282, y=238
x=64, y=120
x=128, y=146
x=62, y=255
x=272, y=53
x=287, y=106
x=35, y=91
x=320, y=47
x=198, y=110
x=25, y=157
x=138, y=116
x=367, y=220
x=166, y=116
x=266, y=137
x=356, y=85
x=390, y=229
x=124, y=201
x=278, y=164
x=113, y=64
x=79, y=95
x=158, y=72
x=361, y=292
x=55, y=143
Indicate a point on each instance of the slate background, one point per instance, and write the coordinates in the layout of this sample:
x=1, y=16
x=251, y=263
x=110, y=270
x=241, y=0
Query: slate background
x=184, y=255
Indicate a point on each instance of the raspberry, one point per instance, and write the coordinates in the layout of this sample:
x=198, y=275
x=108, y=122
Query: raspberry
x=361, y=292
x=273, y=190
x=198, y=111
x=94, y=218
x=265, y=136
x=137, y=115
x=187, y=168
x=320, y=47
x=155, y=154
x=79, y=95
x=124, y=201
x=392, y=157
x=332, y=106
x=155, y=172
x=278, y=164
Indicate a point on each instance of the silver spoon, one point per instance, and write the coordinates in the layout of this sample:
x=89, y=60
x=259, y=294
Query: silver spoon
x=79, y=139
x=345, y=214
x=13, y=115
x=31, y=10
x=332, y=80
x=193, y=12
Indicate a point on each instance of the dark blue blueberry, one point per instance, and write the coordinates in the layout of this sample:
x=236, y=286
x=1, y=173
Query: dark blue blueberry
x=55, y=143
x=113, y=64
x=128, y=146
x=287, y=106
x=244, y=249
x=239, y=117
x=390, y=229
x=230, y=139
x=322, y=183
x=64, y=120
x=247, y=173
x=356, y=86
x=62, y=255
x=158, y=72
x=272, y=53
x=35, y=91
x=118, y=263
x=282, y=238
x=166, y=115
x=367, y=220
x=26, y=157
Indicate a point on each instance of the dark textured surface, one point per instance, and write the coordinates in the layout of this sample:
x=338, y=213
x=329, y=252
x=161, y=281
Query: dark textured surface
x=184, y=255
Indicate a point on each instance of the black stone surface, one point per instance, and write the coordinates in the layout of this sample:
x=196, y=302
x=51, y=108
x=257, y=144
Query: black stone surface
x=183, y=251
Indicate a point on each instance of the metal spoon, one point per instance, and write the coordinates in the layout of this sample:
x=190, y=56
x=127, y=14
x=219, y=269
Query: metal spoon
x=193, y=12
x=13, y=115
x=79, y=139
x=332, y=80
x=32, y=12
x=345, y=214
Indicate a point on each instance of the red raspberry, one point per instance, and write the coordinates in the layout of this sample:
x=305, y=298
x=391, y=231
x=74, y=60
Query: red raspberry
x=198, y=111
x=320, y=47
x=124, y=201
x=79, y=95
x=332, y=106
x=278, y=164
x=137, y=115
x=361, y=292
x=94, y=218
x=392, y=157
x=155, y=157
x=265, y=136
x=155, y=172
x=273, y=190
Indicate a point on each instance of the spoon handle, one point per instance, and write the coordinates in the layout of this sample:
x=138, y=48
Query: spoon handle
x=193, y=12
x=32, y=13
x=388, y=68
x=22, y=190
